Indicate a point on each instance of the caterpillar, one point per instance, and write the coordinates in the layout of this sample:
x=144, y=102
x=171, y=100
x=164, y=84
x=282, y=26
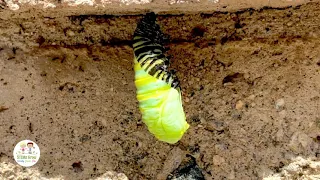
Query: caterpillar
x=158, y=89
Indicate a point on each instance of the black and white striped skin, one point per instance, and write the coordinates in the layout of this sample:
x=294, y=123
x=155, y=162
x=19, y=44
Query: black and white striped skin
x=148, y=46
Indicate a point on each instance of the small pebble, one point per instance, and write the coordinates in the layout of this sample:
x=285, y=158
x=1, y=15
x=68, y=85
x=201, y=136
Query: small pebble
x=228, y=84
x=104, y=122
x=70, y=33
x=218, y=160
x=202, y=120
x=239, y=105
x=237, y=152
x=124, y=82
x=215, y=125
x=280, y=104
x=3, y=108
x=290, y=23
x=251, y=97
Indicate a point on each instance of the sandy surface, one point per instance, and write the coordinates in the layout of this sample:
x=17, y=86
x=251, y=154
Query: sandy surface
x=250, y=81
x=58, y=8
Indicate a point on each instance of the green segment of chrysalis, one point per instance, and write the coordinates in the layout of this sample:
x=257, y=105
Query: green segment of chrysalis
x=158, y=90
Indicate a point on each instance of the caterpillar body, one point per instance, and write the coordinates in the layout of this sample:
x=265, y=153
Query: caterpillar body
x=158, y=89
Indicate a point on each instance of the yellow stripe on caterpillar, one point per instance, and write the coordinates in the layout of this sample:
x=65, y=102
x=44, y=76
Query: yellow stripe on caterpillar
x=158, y=90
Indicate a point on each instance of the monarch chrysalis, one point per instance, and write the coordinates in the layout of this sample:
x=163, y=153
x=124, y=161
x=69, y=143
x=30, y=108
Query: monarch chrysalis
x=158, y=89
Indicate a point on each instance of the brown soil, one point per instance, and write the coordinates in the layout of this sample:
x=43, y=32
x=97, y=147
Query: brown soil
x=68, y=85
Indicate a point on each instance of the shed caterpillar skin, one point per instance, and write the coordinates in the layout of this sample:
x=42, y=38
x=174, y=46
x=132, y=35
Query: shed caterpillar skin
x=158, y=90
